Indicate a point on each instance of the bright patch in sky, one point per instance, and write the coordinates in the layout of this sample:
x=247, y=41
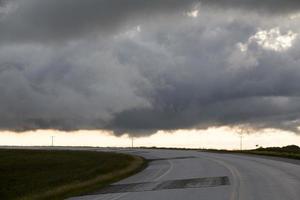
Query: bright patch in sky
x=294, y=16
x=193, y=13
x=271, y=39
x=131, y=33
x=221, y=138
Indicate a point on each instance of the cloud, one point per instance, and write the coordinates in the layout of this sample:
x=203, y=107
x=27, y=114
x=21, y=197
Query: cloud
x=43, y=20
x=266, y=7
x=132, y=66
x=272, y=40
x=59, y=20
x=211, y=82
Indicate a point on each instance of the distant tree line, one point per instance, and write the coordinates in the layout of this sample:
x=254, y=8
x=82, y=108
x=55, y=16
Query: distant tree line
x=288, y=149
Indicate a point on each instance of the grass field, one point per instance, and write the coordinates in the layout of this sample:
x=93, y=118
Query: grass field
x=39, y=174
x=274, y=153
x=291, y=151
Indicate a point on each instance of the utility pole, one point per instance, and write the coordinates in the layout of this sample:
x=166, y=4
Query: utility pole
x=52, y=140
x=131, y=142
x=241, y=142
x=242, y=130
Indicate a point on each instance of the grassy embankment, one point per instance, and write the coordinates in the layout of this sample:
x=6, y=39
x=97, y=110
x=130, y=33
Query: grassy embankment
x=291, y=151
x=38, y=174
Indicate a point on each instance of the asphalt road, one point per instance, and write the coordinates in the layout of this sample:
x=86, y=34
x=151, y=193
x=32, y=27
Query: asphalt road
x=191, y=175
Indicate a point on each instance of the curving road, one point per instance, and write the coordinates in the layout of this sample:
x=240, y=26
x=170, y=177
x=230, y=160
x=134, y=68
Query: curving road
x=191, y=175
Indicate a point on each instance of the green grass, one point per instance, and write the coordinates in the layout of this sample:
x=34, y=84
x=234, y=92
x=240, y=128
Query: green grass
x=291, y=151
x=273, y=153
x=39, y=174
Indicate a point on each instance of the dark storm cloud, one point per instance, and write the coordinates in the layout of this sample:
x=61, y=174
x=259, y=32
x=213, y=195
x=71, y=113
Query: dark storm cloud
x=58, y=20
x=204, y=92
x=42, y=20
x=141, y=66
x=265, y=6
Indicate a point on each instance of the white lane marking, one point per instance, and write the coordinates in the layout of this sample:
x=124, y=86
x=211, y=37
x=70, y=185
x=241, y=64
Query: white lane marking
x=165, y=173
x=156, y=179
x=235, y=194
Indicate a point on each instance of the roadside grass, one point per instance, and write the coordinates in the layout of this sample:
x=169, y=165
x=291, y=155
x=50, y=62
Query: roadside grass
x=273, y=153
x=291, y=151
x=51, y=174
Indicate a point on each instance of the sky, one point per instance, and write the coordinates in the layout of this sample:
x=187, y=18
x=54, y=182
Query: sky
x=212, y=138
x=140, y=68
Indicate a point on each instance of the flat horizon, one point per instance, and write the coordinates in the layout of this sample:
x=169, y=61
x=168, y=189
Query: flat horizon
x=216, y=138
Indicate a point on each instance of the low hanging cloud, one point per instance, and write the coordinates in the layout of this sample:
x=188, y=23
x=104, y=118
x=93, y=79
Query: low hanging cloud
x=132, y=66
